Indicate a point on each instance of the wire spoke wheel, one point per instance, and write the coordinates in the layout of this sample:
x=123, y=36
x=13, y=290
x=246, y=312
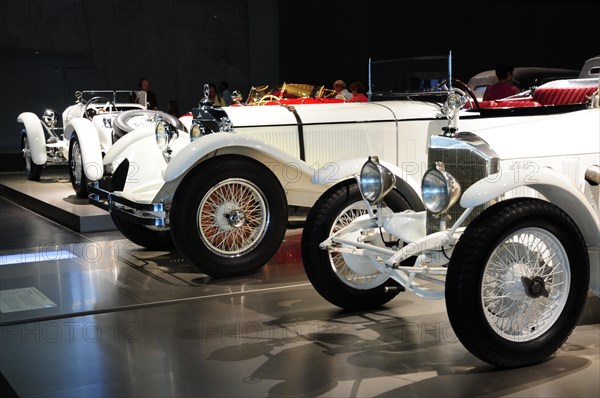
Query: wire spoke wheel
x=525, y=284
x=517, y=282
x=76, y=164
x=348, y=280
x=27, y=154
x=351, y=270
x=233, y=217
x=76, y=173
x=32, y=171
x=229, y=216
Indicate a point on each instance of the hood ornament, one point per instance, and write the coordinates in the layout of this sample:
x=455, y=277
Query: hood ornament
x=206, y=101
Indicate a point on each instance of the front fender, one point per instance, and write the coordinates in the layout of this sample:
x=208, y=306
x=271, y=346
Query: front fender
x=89, y=144
x=554, y=186
x=35, y=136
x=208, y=144
x=116, y=150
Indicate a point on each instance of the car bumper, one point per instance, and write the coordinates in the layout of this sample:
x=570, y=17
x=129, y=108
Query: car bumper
x=149, y=214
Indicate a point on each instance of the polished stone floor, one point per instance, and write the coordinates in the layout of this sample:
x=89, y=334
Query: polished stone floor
x=94, y=315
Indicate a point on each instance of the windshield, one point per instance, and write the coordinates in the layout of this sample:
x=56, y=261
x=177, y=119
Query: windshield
x=405, y=77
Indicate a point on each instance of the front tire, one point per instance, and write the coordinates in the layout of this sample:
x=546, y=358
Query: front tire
x=151, y=239
x=329, y=272
x=32, y=171
x=229, y=216
x=76, y=173
x=517, y=282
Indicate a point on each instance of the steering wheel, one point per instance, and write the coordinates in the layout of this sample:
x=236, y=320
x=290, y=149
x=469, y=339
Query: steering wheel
x=268, y=98
x=463, y=88
x=90, y=113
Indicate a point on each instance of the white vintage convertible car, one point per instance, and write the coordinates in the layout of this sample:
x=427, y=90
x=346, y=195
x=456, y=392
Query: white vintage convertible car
x=514, y=260
x=89, y=127
x=221, y=194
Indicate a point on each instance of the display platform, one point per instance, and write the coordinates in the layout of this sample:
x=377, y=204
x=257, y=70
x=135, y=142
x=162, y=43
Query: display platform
x=53, y=197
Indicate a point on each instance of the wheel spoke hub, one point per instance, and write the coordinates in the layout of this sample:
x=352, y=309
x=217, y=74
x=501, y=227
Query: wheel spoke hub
x=535, y=287
x=235, y=218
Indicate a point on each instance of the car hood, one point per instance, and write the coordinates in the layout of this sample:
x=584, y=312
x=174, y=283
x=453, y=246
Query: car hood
x=565, y=134
x=272, y=115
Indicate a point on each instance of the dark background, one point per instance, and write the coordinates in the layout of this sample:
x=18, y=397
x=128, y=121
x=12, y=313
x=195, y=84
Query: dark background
x=50, y=48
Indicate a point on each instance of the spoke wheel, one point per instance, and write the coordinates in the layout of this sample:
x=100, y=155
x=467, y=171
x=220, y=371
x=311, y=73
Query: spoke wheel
x=343, y=279
x=229, y=216
x=517, y=282
x=354, y=271
x=33, y=171
x=525, y=284
x=233, y=217
x=78, y=179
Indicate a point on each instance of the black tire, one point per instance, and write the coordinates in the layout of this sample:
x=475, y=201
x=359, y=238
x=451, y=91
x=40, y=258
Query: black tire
x=130, y=120
x=76, y=173
x=215, y=233
x=151, y=239
x=32, y=171
x=543, y=276
x=323, y=268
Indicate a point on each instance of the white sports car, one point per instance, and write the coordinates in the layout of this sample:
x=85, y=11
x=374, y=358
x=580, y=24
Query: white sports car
x=89, y=128
x=514, y=260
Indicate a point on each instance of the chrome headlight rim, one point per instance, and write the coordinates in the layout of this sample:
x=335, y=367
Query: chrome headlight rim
x=197, y=130
x=165, y=133
x=49, y=117
x=439, y=189
x=375, y=180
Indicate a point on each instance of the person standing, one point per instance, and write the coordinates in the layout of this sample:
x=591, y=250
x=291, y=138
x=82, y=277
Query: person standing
x=144, y=85
x=213, y=97
x=223, y=92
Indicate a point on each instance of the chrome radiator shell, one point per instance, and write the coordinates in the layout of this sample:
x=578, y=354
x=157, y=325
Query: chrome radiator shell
x=469, y=159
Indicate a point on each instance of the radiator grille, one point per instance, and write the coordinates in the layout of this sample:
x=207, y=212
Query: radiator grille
x=467, y=166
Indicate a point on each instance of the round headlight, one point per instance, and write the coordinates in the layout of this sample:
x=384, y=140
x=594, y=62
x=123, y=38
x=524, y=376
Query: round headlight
x=376, y=181
x=439, y=189
x=162, y=139
x=49, y=117
x=196, y=131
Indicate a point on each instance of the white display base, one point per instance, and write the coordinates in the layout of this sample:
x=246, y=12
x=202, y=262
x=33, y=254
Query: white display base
x=53, y=197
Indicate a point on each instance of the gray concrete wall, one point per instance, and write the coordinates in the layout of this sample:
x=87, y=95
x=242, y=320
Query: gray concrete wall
x=50, y=48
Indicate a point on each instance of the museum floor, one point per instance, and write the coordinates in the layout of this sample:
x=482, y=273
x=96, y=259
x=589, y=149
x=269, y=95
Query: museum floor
x=89, y=314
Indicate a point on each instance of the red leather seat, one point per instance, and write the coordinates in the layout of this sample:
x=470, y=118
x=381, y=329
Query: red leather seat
x=558, y=92
x=563, y=95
